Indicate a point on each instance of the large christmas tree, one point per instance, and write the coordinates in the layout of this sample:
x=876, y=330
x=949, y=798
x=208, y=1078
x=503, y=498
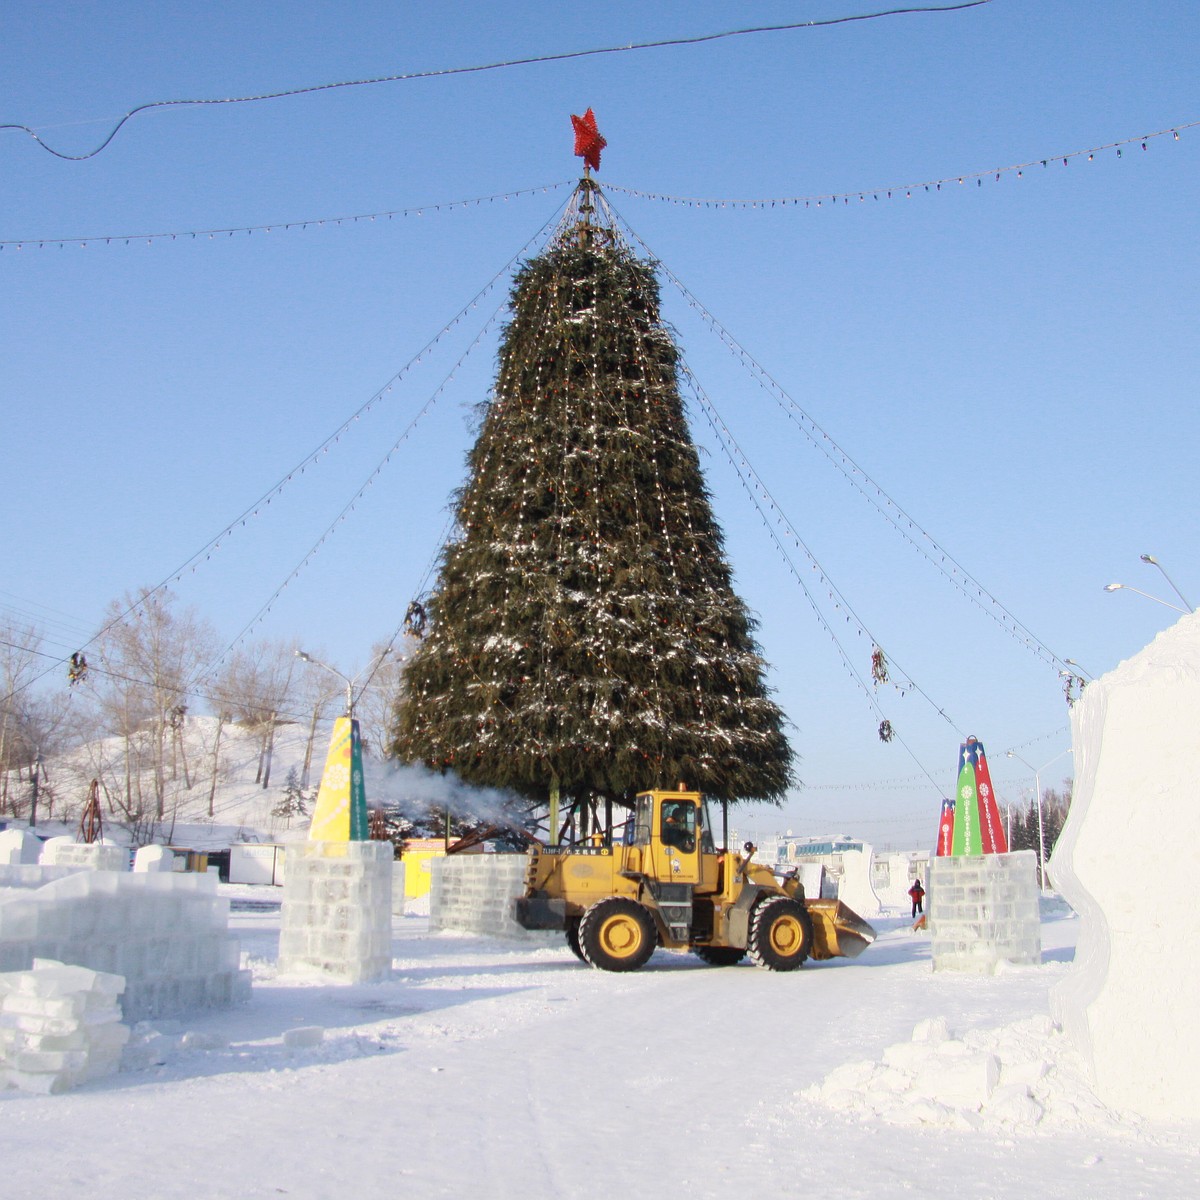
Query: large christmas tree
x=584, y=633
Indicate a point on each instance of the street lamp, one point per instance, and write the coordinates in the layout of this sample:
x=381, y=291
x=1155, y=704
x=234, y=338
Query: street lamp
x=1149, y=558
x=1037, y=788
x=316, y=662
x=1117, y=587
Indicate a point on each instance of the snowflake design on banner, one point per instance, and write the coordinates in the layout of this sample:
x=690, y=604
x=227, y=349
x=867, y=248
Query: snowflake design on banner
x=337, y=776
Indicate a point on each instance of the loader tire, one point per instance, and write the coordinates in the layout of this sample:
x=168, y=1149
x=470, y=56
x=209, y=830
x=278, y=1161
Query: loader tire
x=719, y=956
x=781, y=934
x=573, y=939
x=616, y=935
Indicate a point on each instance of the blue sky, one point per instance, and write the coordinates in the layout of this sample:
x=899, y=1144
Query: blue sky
x=1013, y=362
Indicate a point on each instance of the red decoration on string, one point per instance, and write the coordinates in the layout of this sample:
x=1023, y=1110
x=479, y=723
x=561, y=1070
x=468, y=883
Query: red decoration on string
x=588, y=142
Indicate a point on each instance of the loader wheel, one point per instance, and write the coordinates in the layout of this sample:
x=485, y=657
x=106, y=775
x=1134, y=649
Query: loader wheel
x=719, y=956
x=781, y=934
x=616, y=935
x=573, y=939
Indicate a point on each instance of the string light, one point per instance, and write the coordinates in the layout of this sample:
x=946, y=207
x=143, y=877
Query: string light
x=805, y=201
x=127, y=239
x=920, y=539
x=349, y=507
x=832, y=198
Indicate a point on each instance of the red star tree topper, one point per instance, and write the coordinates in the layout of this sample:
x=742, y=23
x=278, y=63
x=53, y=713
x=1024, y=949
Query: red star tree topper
x=588, y=142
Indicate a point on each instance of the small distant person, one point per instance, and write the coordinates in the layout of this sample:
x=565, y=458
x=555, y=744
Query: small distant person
x=917, y=895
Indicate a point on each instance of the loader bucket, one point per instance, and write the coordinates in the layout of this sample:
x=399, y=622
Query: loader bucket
x=838, y=931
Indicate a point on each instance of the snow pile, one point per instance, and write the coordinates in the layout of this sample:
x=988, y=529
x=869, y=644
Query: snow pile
x=1019, y=1076
x=59, y=1026
x=19, y=846
x=1126, y=862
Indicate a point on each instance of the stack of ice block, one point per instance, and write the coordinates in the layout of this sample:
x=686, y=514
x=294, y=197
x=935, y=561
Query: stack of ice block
x=59, y=1026
x=95, y=856
x=983, y=910
x=337, y=910
x=476, y=893
x=166, y=933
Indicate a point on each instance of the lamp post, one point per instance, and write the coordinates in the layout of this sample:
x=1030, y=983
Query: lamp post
x=1037, y=789
x=303, y=656
x=1149, y=558
x=1118, y=587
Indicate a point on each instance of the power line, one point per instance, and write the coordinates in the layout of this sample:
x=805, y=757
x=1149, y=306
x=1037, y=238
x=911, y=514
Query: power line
x=311, y=459
x=901, y=521
x=494, y=66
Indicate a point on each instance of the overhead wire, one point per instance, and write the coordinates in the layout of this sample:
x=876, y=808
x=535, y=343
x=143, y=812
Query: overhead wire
x=874, y=493
x=348, y=507
x=205, y=552
x=416, y=210
x=504, y=64
x=752, y=483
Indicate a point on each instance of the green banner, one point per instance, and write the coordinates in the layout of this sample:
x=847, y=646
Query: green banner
x=967, y=838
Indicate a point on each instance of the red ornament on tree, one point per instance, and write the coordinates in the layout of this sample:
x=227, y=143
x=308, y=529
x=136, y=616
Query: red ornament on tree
x=588, y=142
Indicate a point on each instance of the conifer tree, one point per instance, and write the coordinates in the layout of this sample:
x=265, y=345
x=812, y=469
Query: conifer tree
x=584, y=631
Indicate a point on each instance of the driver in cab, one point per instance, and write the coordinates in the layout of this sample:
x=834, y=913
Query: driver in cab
x=678, y=827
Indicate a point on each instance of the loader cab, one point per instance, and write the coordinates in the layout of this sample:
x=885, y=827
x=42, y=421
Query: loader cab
x=673, y=828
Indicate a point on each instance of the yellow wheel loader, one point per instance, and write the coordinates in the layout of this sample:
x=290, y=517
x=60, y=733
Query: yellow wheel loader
x=666, y=884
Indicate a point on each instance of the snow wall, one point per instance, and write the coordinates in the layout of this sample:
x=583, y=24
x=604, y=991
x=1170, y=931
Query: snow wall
x=854, y=887
x=1126, y=862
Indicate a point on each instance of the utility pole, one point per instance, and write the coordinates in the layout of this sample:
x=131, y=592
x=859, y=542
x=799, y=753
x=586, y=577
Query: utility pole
x=35, y=776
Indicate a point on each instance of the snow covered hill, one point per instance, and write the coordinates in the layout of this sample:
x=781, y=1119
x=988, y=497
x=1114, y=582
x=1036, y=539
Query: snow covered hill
x=213, y=791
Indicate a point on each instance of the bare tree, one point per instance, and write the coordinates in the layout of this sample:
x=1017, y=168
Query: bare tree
x=381, y=686
x=19, y=659
x=151, y=655
x=316, y=696
x=34, y=722
x=256, y=687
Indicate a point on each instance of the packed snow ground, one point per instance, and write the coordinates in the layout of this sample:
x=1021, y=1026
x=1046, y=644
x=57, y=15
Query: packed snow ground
x=493, y=1069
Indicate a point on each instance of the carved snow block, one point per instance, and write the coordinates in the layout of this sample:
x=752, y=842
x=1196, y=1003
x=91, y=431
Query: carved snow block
x=1127, y=864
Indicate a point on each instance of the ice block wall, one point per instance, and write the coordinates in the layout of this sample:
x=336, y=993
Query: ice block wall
x=168, y=934
x=983, y=910
x=337, y=910
x=94, y=856
x=476, y=893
